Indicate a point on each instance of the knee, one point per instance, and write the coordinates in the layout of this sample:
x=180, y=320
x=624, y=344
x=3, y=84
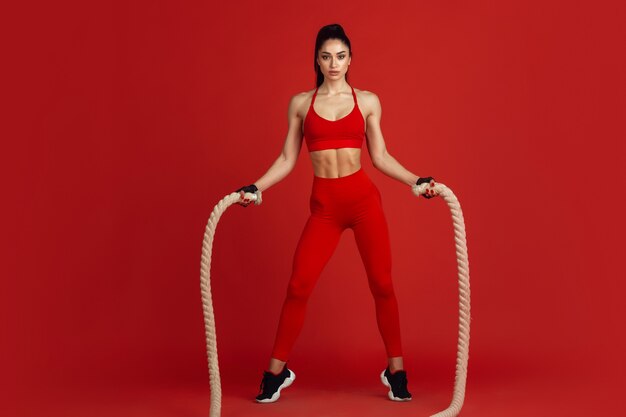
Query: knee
x=299, y=290
x=382, y=288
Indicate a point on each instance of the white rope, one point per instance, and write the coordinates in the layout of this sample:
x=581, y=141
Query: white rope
x=462, y=355
x=207, y=301
x=464, y=295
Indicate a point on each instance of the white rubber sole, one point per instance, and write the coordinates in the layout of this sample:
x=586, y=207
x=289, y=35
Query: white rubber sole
x=386, y=383
x=288, y=381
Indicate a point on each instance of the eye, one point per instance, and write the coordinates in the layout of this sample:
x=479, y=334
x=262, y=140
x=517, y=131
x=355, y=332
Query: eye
x=342, y=56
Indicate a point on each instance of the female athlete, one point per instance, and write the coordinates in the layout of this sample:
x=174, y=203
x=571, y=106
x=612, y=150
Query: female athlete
x=335, y=119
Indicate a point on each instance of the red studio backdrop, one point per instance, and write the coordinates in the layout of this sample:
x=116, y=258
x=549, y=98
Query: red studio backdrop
x=126, y=122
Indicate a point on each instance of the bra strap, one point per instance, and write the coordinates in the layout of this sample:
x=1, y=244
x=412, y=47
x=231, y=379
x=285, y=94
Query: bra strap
x=354, y=95
x=314, y=94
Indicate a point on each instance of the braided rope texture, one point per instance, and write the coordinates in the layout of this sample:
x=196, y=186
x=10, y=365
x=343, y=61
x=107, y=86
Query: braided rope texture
x=207, y=300
x=462, y=259
x=464, y=296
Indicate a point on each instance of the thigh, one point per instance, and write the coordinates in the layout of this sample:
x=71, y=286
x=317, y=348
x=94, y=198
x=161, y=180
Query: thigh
x=315, y=247
x=371, y=233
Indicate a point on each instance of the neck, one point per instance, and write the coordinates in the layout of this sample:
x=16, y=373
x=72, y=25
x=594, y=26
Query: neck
x=334, y=87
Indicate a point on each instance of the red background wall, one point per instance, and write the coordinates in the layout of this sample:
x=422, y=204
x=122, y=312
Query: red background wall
x=127, y=122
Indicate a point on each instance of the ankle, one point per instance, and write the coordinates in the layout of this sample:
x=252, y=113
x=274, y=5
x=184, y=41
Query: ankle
x=395, y=364
x=276, y=371
x=393, y=370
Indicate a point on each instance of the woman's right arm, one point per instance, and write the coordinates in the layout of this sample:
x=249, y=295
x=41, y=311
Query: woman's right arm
x=287, y=159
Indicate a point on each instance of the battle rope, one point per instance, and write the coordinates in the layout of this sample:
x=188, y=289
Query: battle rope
x=464, y=295
x=462, y=261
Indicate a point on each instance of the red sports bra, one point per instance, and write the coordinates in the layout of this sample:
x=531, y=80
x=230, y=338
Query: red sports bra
x=347, y=132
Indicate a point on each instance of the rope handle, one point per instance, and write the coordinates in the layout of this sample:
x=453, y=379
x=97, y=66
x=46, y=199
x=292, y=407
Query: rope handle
x=255, y=196
x=422, y=188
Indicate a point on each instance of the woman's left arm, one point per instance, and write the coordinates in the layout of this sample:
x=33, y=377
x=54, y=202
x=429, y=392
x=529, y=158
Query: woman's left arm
x=381, y=159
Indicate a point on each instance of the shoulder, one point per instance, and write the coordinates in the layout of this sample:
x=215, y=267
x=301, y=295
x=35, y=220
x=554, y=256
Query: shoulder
x=302, y=96
x=368, y=101
x=299, y=103
x=299, y=100
x=367, y=97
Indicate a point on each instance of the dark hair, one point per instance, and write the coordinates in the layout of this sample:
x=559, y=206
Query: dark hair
x=333, y=31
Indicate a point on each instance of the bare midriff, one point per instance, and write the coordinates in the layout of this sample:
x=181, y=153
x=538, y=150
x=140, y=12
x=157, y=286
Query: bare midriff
x=335, y=163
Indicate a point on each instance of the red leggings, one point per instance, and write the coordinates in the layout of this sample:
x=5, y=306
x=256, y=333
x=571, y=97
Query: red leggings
x=336, y=204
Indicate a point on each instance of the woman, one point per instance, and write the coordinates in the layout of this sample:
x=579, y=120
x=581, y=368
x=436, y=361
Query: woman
x=335, y=119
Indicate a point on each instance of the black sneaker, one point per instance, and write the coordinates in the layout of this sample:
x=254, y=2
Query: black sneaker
x=397, y=383
x=272, y=384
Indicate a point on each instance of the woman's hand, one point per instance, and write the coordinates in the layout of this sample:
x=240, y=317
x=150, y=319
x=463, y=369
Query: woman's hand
x=243, y=201
x=430, y=192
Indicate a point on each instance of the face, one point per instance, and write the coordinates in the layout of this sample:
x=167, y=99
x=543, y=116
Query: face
x=333, y=59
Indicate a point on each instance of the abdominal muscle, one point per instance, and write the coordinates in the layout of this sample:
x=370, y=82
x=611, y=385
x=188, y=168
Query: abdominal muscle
x=335, y=163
